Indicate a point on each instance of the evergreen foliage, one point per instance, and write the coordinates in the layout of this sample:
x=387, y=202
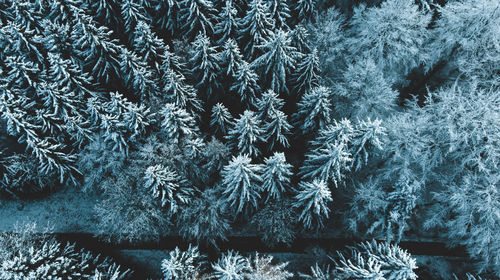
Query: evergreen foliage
x=276, y=174
x=314, y=110
x=255, y=27
x=246, y=134
x=241, y=180
x=311, y=200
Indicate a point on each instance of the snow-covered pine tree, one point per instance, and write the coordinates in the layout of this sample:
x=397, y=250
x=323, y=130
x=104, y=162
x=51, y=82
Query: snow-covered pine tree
x=221, y=120
x=227, y=25
x=305, y=10
x=277, y=60
x=183, y=265
x=364, y=91
x=262, y=267
x=168, y=186
x=280, y=12
x=256, y=27
x=306, y=74
x=181, y=93
x=277, y=130
x=372, y=260
x=368, y=136
x=148, y=46
x=138, y=76
x=132, y=13
x=165, y=15
x=311, y=200
x=314, y=110
x=231, y=266
x=177, y=123
x=276, y=173
x=197, y=16
x=300, y=39
x=52, y=260
x=105, y=11
x=241, y=180
x=231, y=58
x=396, y=46
x=327, y=163
x=268, y=104
x=245, y=84
x=94, y=48
x=246, y=134
x=205, y=60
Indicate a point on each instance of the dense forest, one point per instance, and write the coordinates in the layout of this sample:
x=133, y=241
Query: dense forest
x=379, y=120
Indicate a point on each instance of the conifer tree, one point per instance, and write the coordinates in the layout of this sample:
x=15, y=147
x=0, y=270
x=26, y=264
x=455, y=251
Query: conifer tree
x=148, y=45
x=177, y=123
x=311, y=200
x=307, y=72
x=95, y=49
x=276, y=174
x=205, y=62
x=231, y=266
x=221, y=120
x=168, y=186
x=231, y=58
x=314, y=110
x=277, y=129
x=246, y=134
x=305, y=10
x=256, y=27
x=241, y=180
x=268, y=104
x=166, y=15
x=137, y=75
x=327, y=163
x=197, y=16
x=300, y=39
x=104, y=11
x=132, y=13
x=181, y=93
x=227, y=25
x=245, y=84
x=183, y=265
x=277, y=60
x=280, y=12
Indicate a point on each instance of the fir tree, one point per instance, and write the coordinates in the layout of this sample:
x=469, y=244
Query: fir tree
x=148, y=45
x=231, y=58
x=231, y=266
x=197, y=16
x=221, y=120
x=166, y=15
x=305, y=10
x=276, y=174
x=227, y=26
x=205, y=61
x=177, y=123
x=277, y=60
x=246, y=134
x=314, y=110
x=138, y=76
x=181, y=93
x=277, y=129
x=374, y=260
x=256, y=26
x=132, y=13
x=183, y=265
x=328, y=163
x=168, y=186
x=307, y=73
x=262, y=267
x=311, y=200
x=245, y=83
x=268, y=104
x=280, y=12
x=241, y=180
x=300, y=39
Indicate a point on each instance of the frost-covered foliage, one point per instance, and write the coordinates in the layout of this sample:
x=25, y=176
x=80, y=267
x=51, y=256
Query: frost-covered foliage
x=53, y=260
x=466, y=34
x=245, y=83
x=276, y=223
x=177, y=123
x=314, y=110
x=276, y=173
x=256, y=26
x=221, y=120
x=392, y=35
x=205, y=218
x=242, y=182
x=312, y=202
x=372, y=260
x=230, y=266
x=246, y=134
x=183, y=265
